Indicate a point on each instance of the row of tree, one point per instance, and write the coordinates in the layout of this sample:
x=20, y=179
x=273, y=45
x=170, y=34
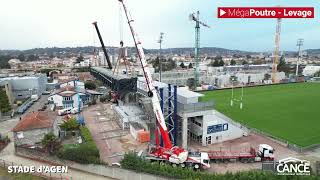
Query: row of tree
x=166, y=64
x=4, y=102
x=4, y=62
x=30, y=57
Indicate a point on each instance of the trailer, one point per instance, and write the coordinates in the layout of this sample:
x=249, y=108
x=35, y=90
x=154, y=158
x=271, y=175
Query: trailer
x=195, y=160
x=264, y=153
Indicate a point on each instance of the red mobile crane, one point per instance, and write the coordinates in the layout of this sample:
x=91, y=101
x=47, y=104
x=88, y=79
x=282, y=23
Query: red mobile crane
x=174, y=155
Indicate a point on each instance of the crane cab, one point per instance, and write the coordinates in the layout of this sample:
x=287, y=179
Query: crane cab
x=205, y=161
x=266, y=152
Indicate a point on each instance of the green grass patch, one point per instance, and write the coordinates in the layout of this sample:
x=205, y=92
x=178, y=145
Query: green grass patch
x=85, y=153
x=17, y=176
x=288, y=111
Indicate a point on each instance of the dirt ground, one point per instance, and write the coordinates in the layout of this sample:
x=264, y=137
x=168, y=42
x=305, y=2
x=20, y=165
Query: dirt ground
x=111, y=140
x=253, y=140
x=243, y=145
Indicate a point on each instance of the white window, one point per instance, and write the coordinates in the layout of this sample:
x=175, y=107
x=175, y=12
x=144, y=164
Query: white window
x=67, y=98
x=20, y=135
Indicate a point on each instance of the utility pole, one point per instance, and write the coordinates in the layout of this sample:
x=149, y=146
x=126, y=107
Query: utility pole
x=299, y=44
x=160, y=58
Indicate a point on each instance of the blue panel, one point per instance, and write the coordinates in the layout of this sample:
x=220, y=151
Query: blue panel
x=217, y=128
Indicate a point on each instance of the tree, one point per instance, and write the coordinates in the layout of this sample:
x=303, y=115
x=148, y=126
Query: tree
x=21, y=57
x=51, y=143
x=79, y=59
x=32, y=57
x=259, y=61
x=4, y=102
x=190, y=66
x=215, y=63
x=191, y=83
x=4, y=62
x=221, y=62
x=171, y=65
x=233, y=62
x=282, y=64
x=218, y=58
x=267, y=76
x=182, y=65
x=70, y=125
x=90, y=85
x=244, y=62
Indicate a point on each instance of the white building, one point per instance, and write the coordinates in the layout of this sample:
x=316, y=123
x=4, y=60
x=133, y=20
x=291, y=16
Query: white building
x=73, y=83
x=199, y=121
x=66, y=97
x=310, y=70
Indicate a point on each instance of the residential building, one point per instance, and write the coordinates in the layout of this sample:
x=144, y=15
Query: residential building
x=31, y=129
x=70, y=97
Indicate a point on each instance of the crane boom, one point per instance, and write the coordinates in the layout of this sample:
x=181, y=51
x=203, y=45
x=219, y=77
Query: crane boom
x=102, y=45
x=152, y=92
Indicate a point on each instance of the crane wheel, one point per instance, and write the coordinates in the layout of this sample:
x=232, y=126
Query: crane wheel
x=174, y=165
x=182, y=165
x=150, y=93
x=196, y=166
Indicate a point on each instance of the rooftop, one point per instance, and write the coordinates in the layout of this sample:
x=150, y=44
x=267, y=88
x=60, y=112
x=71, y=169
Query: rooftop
x=109, y=73
x=35, y=120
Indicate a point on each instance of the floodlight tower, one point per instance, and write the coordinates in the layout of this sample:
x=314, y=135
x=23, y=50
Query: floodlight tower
x=160, y=59
x=299, y=44
x=196, y=18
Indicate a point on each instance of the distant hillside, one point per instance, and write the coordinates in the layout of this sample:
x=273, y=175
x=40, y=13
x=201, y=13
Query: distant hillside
x=313, y=51
x=113, y=50
x=211, y=51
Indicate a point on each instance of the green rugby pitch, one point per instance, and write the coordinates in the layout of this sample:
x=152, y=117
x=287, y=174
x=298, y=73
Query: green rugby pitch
x=288, y=111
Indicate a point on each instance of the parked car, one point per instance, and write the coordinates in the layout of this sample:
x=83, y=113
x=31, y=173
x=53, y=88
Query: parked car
x=35, y=97
x=45, y=93
x=43, y=108
x=68, y=111
x=75, y=110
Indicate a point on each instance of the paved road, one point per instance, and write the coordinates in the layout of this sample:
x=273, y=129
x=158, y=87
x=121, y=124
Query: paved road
x=38, y=104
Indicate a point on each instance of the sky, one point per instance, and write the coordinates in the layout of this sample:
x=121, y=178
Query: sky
x=68, y=23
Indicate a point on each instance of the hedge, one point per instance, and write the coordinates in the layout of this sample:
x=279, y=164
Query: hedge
x=133, y=162
x=85, y=153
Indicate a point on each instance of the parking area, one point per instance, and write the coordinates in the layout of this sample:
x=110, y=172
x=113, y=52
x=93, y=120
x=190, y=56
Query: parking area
x=112, y=141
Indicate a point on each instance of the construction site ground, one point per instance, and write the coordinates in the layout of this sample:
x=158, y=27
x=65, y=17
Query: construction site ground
x=243, y=144
x=112, y=141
